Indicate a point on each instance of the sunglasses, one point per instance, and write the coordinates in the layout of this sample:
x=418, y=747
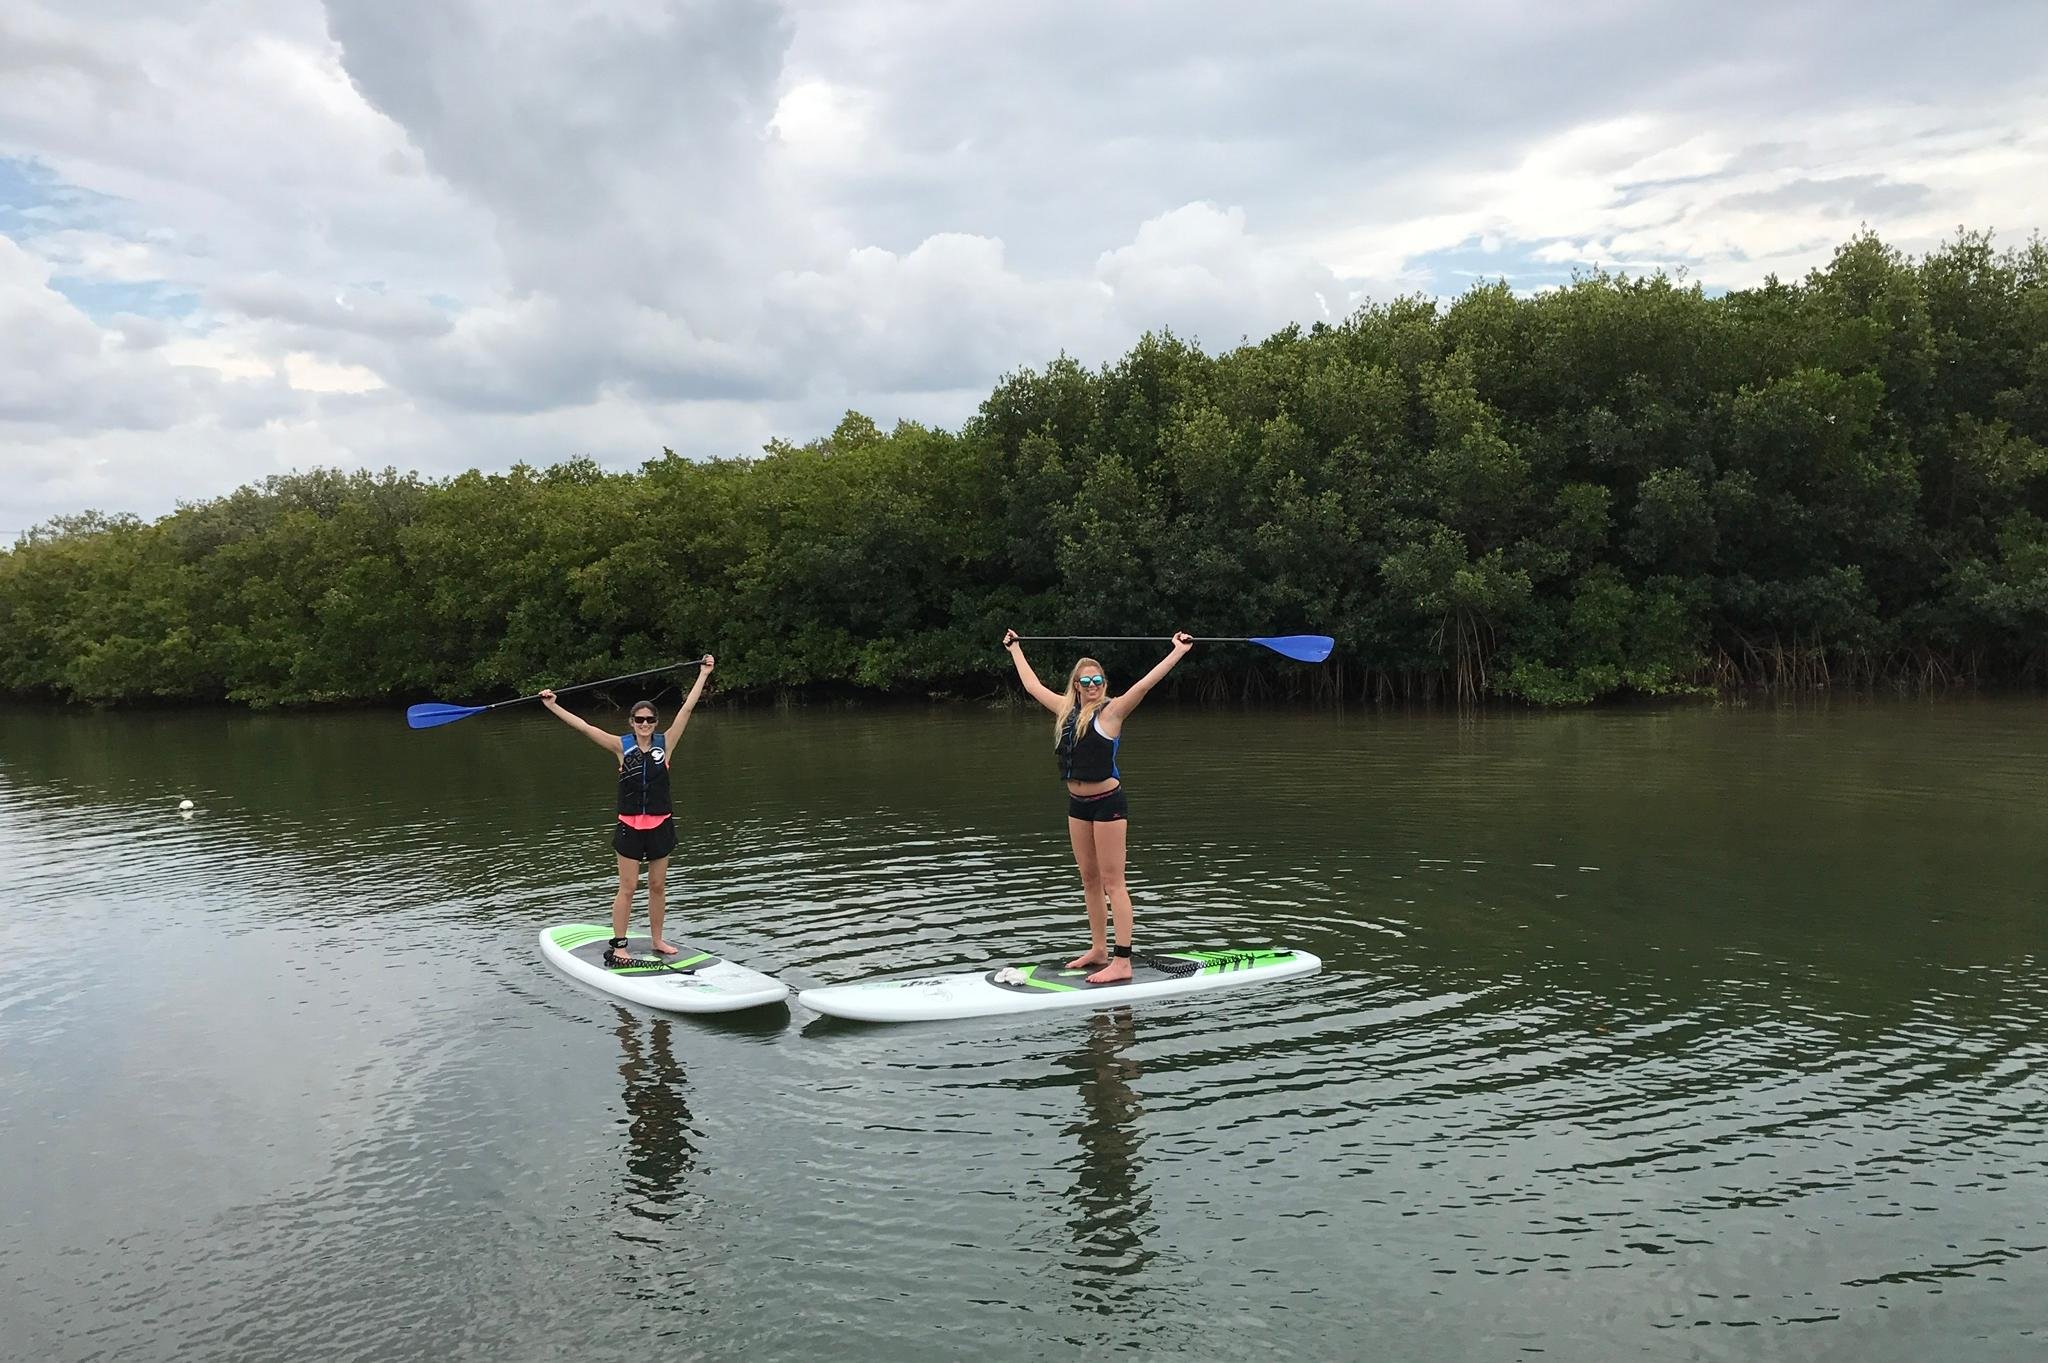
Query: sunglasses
x=643, y=719
x=1095, y=680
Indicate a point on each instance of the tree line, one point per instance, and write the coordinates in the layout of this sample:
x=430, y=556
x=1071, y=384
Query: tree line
x=1621, y=486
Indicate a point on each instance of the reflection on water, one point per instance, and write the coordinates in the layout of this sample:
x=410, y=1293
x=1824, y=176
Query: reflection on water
x=660, y=1140
x=1107, y=1206
x=1675, y=1033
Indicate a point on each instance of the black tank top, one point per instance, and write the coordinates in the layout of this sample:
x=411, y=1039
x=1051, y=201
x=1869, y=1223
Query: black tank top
x=1090, y=756
x=643, y=777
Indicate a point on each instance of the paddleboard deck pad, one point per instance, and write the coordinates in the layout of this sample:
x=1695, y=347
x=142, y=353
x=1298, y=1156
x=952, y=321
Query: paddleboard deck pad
x=691, y=981
x=1037, y=985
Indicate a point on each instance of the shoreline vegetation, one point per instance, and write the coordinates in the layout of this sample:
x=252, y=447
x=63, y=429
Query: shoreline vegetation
x=1621, y=487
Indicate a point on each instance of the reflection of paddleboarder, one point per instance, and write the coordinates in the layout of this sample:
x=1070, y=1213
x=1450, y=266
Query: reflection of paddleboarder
x=659, y=1147
x=1106, y=1195
x=647, y=828
x=1086, y=732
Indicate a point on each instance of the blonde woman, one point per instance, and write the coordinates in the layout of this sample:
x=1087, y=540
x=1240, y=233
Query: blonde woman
x=1088, y=726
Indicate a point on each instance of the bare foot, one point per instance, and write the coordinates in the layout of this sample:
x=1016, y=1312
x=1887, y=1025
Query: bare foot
x=661, y=944
x=618, y=959
x=1094, y=956
x=1115, y=972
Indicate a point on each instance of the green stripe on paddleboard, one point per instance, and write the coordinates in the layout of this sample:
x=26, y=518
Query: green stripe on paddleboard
x=1030, y=974
x=573, y=935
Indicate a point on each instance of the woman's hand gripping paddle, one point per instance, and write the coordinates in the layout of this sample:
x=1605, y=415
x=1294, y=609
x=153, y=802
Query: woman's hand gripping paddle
x=434, y=713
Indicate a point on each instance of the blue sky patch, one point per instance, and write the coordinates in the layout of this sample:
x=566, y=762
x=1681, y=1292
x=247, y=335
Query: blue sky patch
x=101, y=299
x=35, y=201
x=1455, y=269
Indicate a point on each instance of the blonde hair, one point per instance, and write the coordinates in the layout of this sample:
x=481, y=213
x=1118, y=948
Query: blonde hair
x=1071, y=707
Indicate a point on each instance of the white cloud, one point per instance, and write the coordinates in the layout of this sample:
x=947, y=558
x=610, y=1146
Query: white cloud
x=311, y=374
x=255, y=234
x=1734, y=204
x=1198, y=270
x=824, y=125
x=61, y=372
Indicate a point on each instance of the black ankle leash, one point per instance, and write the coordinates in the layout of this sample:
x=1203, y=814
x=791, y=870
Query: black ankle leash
x=618, y=945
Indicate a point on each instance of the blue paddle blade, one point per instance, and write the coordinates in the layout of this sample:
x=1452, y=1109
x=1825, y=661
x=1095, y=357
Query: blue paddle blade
x=1303, y=648
x=434, y=713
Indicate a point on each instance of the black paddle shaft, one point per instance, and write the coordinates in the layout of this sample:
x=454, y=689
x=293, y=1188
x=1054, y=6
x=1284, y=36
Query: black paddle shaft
x=604, y=681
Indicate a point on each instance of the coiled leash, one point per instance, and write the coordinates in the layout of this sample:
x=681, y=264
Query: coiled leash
x=615, y=960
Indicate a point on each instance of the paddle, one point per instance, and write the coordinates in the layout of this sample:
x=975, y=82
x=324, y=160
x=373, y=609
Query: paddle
x=1303, y=648
x=432, y=714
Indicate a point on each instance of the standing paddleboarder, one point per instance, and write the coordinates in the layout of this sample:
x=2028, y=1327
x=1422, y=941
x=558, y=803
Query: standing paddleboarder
x=1087, y=728
x=646, y=829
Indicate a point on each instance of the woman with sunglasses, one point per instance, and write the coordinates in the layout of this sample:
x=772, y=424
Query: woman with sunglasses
x=646, y=829
x=1087, y=729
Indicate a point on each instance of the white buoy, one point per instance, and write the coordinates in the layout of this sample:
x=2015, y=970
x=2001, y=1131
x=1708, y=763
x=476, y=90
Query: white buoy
x=184, y=804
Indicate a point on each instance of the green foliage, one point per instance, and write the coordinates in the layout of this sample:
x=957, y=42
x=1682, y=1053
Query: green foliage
x=1623, y=485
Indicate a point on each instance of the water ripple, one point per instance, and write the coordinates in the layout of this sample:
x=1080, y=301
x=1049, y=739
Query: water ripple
x=1725, y=1033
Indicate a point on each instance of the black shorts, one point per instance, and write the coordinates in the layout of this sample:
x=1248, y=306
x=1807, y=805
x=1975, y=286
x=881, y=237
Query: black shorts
x=1107, y=807
x=645, y=844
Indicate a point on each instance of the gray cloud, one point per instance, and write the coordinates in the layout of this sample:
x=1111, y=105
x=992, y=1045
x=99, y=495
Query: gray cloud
x=272, y=298
x=1871, y=195
x=617, y=149
x=512, y=229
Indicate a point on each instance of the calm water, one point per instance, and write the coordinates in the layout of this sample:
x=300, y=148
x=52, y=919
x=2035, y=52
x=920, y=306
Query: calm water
x=1688, y=1034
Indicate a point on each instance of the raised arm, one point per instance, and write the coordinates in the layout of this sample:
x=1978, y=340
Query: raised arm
x=1112, y=716
x=675, y=730
x=1040, y=692
x=609, y=742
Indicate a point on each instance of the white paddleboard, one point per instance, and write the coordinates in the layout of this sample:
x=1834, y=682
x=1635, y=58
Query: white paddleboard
x=692, y=981
x=1037, y=985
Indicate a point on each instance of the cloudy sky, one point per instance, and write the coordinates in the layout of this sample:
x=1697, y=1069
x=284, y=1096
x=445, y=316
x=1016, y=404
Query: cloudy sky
x=239, y=237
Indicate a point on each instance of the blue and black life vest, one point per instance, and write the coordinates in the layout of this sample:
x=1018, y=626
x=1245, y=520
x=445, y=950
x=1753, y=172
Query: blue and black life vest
x=643, y=777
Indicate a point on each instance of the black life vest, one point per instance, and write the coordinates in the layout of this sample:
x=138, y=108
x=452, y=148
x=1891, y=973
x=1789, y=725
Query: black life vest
x=1088, y=756
x=643, y=777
